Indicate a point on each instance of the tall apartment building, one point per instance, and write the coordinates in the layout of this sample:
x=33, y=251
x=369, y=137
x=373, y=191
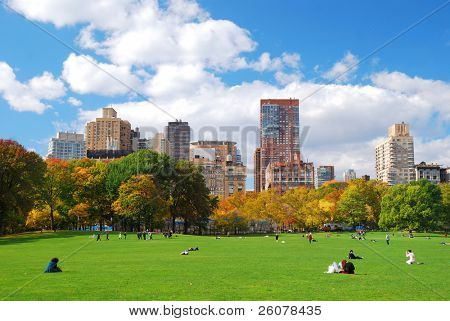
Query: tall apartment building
x=279, y=135
x=323, y=174
x=349, y=175
x=257, y=170
x=66, y=146
x=221, y=166
x=108, y=133
x=159, y=143
x=178, y=138
x=138, y=142
x=395, y=156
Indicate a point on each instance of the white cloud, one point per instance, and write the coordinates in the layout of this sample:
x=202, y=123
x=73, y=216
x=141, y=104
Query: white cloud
x=96, y=77
x=343, y=69
x=29, y=96
x=74, y=102
x=345, y=121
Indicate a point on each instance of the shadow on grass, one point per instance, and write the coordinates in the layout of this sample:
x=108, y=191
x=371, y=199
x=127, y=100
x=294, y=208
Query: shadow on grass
x=36, y=236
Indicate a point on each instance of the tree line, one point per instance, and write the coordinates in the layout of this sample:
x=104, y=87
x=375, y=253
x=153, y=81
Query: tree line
x=150, y=190
x=419, y=205
x=142, y=190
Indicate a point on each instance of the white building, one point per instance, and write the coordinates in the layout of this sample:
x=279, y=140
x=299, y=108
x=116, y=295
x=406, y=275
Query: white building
x=395, y=156
x=67, y=146
x=349, y=175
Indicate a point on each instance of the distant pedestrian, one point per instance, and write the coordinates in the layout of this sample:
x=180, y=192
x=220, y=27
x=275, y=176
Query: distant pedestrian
x=120, y=235
x=277, y=236
x=125, y=235
x=139, y=235
x=150, y=235
x=98, y=236
x=145, y=235
x=388, y=238
x=107, y=235
x=310, y=237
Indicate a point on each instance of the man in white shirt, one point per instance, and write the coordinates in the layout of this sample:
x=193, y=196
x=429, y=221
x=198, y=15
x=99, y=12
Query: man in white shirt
x=411, y=257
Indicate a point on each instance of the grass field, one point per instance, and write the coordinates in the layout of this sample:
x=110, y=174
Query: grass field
x=232, y=268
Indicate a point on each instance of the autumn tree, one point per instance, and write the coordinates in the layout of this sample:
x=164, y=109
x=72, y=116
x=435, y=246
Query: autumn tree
x=21, y=174
x=141, y=201
x=56, y=187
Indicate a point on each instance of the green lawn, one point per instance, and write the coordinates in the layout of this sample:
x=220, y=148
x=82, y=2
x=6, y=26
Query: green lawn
x=232, y=268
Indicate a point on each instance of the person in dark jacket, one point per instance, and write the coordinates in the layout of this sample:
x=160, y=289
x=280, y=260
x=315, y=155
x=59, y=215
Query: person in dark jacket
x=53, y=266
x=352, y=256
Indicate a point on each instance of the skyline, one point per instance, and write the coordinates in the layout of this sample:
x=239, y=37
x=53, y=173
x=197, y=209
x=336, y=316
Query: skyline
x=246, y=60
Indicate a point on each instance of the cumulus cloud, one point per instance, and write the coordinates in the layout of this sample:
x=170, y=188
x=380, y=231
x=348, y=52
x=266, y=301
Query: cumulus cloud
x=85, y=75
x=343, y=69
x=29, y=96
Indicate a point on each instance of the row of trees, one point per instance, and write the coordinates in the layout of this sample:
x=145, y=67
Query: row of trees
x=418, y=205
x=141, y=190
x=147, y=190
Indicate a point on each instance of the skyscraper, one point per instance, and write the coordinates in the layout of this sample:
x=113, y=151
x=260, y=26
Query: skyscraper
x=349, y=175
x=323, y=174
x=108, y=133
x=395, y=156
x=280, y=145
x=178, y=138
x=66, y=146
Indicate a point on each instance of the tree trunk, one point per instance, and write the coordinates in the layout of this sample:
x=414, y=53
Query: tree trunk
x=52, y=219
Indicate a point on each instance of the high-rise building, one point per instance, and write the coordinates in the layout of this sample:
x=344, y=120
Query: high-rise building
x=221, y=166
x=66, y=146
x=108, y=133
x=395, y=156
x=257, y=170
x=178, y=138
x=279, y=136
x=159, y=143
x=349, y=175
x=323, y=174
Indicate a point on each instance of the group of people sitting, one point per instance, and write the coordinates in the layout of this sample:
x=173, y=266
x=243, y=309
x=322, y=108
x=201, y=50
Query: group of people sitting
x=345, y=267
x=186, y=252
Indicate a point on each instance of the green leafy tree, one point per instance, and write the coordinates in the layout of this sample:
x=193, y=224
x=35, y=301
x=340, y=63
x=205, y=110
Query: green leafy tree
x=417, y=205
x=21, y=175
x=360, y=203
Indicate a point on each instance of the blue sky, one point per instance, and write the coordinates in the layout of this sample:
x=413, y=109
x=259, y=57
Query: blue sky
x=409, y=74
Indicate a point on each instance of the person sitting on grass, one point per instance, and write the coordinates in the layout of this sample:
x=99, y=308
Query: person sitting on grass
x=333, y=268
x=352, y=256
x=53, y=266
x=347, y=267
x=411, y=258
x=193, y=249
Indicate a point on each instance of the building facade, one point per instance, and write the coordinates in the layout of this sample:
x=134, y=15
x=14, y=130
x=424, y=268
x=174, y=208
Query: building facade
x=257, y=170
x=66, y=146
x=323, y=174
x=349, y=175
x=108, y=133
x=221, y=166
x=283, y=176
x=279, y=135
x=159, y=143
x=430, y=172
x=395, y=156
x=178, y=138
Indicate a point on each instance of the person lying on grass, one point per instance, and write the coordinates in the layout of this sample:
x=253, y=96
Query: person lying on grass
x=352, y=256
x=193, y=249
x=53, y=266
x=185, y=252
